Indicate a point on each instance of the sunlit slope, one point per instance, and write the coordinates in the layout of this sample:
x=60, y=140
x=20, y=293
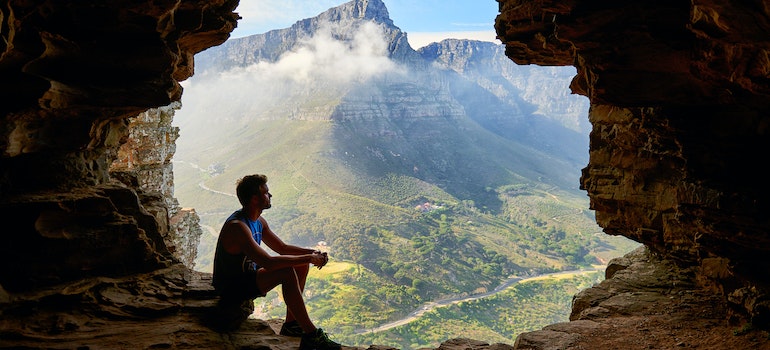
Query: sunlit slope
x=331, y=182
x=432, y=138
x=426, y=175
x=349, y=164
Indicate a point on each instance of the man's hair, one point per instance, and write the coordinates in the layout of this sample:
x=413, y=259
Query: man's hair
x=248, y=186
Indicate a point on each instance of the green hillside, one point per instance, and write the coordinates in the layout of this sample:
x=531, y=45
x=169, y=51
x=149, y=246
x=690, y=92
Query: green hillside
x=354, y=304
x=425, y=176
x=420, y=207
x=406, y=257
x=524, y=307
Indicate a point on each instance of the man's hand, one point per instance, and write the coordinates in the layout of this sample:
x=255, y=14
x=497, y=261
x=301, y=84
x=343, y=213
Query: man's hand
x=320, y=259
x=325, y=259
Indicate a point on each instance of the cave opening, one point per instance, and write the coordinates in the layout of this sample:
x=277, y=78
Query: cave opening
x=206, y=173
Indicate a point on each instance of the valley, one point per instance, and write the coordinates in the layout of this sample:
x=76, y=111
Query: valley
x=429, y=175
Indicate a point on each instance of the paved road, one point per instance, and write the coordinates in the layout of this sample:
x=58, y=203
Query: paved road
x=431, y=305
x=454, y=300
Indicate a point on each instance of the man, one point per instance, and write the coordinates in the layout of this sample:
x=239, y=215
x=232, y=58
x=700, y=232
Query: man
x=244, y=270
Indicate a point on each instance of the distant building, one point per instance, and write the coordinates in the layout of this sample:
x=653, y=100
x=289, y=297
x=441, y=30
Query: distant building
x=427, y=207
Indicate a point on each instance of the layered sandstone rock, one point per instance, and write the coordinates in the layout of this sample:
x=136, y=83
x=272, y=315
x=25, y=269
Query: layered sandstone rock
x=85, y=256
x=144, y=163
x=680, y=109
x=74, y=73
x=680, y=115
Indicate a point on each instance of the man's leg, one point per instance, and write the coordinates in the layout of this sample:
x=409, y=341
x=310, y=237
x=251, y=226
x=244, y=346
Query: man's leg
x=302, y=271
x=292, y=293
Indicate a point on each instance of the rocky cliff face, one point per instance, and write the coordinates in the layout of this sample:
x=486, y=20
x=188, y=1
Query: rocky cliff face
x=679, y=96
x=74, y=75
x=347, y=17
x=408, y=103
x=476, y=59
x=679, y=103
x=144, y=164
x=83, y=250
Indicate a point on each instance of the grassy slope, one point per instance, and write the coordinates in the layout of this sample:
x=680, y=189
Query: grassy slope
x=339, y=298
x=319, y=197
x=494, y=217
x=524, y=307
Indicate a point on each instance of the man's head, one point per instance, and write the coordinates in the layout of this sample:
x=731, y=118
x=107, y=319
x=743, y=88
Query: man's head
x=253, y=185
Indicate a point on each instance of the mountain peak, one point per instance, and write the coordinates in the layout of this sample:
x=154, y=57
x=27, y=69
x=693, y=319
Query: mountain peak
x=374, y=10
x=345, y=20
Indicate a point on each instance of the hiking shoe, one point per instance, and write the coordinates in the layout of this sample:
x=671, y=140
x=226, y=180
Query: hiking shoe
x=291, y=329
x=318, y=340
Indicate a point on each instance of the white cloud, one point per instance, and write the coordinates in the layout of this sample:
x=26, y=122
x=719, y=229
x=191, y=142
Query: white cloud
x=323, y=58
x=320, y=61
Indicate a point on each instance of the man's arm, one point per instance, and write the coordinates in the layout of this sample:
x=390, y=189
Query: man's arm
x=236, y=238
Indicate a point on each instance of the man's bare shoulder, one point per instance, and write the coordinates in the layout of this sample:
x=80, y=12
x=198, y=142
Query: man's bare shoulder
x=234, y=235
x=234, y=227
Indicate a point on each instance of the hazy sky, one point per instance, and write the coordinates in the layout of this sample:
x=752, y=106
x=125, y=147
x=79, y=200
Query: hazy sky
x=424, y=21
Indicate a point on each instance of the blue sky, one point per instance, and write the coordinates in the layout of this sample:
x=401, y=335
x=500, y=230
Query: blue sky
x=424, y=21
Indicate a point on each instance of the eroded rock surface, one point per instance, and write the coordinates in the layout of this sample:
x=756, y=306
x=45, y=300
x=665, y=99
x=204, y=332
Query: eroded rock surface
x=680, y=114
x=648, y=302
x=679, y=107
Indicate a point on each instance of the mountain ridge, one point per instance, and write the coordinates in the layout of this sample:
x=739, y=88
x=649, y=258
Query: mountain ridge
x=501, y=117
x=396, y=159
x=271, y=45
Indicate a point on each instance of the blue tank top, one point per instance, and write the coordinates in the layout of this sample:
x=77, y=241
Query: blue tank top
x=229, y=267
x=255, y=226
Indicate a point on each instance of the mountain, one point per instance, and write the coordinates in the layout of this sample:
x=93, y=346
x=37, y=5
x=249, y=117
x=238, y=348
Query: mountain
x=458, y=81
x=435, y=172
x=346, y=19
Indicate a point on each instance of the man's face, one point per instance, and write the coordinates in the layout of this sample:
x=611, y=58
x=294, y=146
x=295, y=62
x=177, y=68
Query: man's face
x=264, y=197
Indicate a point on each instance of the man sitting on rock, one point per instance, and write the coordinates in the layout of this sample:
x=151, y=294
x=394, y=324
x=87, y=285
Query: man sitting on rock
x=243, y=270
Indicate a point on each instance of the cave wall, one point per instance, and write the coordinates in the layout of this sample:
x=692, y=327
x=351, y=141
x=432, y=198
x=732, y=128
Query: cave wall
x=680, y=110
x=143, y=163
x=75, y=73
x=679, y=107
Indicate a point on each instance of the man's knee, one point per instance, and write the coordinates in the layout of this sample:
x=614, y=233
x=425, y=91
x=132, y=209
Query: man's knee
x=278, y=276
x=302, y=270
x=290, y=272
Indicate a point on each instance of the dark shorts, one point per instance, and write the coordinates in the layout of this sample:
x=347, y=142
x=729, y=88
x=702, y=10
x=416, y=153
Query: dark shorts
x=240, y=288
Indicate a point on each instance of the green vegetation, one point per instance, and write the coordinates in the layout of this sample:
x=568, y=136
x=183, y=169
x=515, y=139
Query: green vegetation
x=521, y=308
x=411, y=208
x=398, y=241
x=351, y=303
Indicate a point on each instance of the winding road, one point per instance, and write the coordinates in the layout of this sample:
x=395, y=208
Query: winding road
x=455, y=300
x=433, y=304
